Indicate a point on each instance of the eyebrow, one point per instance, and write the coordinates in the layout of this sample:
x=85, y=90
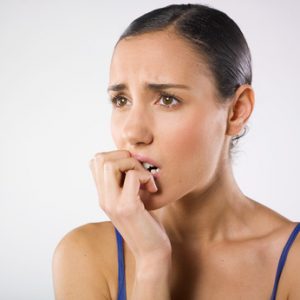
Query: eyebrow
x=151, y=86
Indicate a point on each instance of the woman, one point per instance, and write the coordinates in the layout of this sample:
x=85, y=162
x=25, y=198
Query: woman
x=180, y=86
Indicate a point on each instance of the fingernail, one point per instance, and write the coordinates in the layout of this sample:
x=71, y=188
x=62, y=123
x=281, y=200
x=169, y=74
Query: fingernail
x=154, y=184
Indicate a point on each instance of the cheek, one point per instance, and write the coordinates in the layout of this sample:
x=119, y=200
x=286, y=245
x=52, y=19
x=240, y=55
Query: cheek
x=187, y=136
x=115, y=130
x=194, y=144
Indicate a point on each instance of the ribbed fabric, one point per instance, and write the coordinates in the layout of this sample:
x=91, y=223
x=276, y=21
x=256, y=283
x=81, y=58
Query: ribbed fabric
x=121, y=268
x=283, y=257
x=282, y=260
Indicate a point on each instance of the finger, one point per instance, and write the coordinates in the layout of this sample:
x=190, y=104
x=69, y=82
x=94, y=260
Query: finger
x=101, y=157
x=115, y=173
x=115, y=154
x=93, y=167
x=132, y=182
x=96, y=167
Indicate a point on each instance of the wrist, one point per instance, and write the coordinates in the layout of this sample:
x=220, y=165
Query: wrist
x=155, y=267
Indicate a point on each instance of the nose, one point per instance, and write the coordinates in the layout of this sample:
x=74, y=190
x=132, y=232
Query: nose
x=137, y=126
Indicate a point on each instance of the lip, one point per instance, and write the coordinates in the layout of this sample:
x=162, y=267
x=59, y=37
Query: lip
x=143, y=158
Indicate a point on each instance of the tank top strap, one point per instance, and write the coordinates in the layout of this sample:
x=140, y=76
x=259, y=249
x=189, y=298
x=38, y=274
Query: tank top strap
x=281, y=263
x=283, y=257
x=121, y=267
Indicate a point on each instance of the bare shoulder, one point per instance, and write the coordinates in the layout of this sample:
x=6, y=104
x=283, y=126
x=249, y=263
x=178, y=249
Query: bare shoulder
x=290, y=274
x=276, y=230
x=281, y=229
x=82, y=262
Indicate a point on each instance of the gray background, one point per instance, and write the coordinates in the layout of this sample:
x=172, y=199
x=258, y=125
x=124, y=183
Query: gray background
x=54, y=116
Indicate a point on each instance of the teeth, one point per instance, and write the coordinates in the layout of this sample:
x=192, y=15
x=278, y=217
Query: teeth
x=153, y=171
x=146, y=165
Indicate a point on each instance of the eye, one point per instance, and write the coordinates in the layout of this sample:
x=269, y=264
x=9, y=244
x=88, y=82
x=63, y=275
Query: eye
x=168, y=99
x=118, y=100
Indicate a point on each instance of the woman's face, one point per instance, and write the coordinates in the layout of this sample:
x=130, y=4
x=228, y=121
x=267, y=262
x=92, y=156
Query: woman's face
x=184, y=133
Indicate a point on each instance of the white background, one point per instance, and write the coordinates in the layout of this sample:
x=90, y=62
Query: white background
x=54, y=116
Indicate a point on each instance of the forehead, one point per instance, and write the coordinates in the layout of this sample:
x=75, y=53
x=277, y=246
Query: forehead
x=158, y=57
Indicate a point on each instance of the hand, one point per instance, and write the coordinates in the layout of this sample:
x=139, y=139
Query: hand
x=118, y=178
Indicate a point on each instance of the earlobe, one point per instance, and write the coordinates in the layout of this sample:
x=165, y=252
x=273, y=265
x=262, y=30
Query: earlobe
x=240, y=110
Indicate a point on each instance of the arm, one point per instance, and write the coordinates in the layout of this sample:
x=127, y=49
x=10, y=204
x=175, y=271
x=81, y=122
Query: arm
x=75, y=276
x=152, y=280
x=118, y=177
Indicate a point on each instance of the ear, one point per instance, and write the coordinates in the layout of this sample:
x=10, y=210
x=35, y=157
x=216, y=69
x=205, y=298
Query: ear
x=240, y=109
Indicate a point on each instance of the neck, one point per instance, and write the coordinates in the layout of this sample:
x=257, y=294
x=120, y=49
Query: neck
x=221, y=212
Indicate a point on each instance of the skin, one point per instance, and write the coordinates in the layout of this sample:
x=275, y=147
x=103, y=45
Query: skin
x=223, y=242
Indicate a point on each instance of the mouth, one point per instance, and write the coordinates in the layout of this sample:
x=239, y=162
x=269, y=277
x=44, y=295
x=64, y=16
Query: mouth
x=148, y=164
x=151, y=168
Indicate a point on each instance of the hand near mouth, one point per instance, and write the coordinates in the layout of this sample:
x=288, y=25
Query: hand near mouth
x=118, y=177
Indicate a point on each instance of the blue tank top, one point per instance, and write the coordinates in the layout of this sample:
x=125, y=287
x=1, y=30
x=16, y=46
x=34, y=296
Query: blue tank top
x=121, y=267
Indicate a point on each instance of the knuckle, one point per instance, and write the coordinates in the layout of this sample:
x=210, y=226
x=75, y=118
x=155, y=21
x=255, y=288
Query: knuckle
x=99, y=154
x=131, y=173
x=125, y=152
x=108, y=165
x=99, y=157
x=135, y=162
x=134, y=174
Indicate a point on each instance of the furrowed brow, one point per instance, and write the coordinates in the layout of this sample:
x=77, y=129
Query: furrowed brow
x=164, y=86
x=117, y=87
x=151, y=86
